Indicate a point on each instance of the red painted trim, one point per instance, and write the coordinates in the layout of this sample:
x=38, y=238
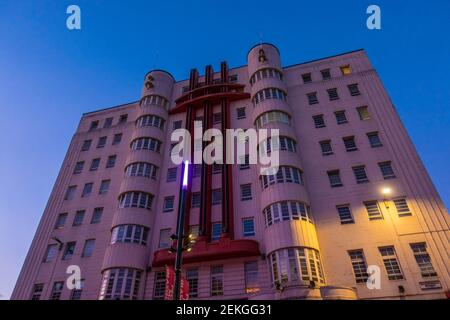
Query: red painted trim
x=214, y=98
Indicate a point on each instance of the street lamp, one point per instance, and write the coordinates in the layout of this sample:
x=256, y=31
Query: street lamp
x=386, y=191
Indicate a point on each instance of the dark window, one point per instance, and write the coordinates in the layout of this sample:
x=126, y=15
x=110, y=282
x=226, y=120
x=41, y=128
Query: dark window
x=245, y=162
x=360, y=174
x=88, y=248
x=79, y=217
x=78, y=167
x=56, y=290
x=345, y=215
x=340, y=117
x=216, y=231
x=318, y=121
x=70, y=193
x=94, y=125
x=325, y=74
x=104, y=186
x=60, y=220
x=177, y=124
x=101, y=142
x=349, y=143
x=168, y=203
x=86, y=145
x=217, y=281
x=159, y=287
x=306, y=77
x=354, y=91
x=123, y=118
x=335, y=178
x=117, y=138
x=373, y=210
x=240, y=113
x=423, y=259
x=333, y=94
x=108, y=123
x=76, y=293
x=217, y=118
x=246, y=192
x=97, y=215
x=87, y=189
x=196, y=170
x=37, y=291
x=51, y=252
x=248, y=227
x=192, y=278
x=386, y=170
x=216, y=196
x=171, y=174
x=196, y=198
x=326, y=148
x=359, y=265
x=374, y=139
x=217, y=168
x=111, y=161
x=95, y=164
x=312, y=98
x=69, y=250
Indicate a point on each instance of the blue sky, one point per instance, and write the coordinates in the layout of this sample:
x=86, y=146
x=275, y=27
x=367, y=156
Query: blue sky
x=49, y=75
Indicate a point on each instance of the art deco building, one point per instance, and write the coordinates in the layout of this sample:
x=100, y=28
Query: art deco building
x=309, y=232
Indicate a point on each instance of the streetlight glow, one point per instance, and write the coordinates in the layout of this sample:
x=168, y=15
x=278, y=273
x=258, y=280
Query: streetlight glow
x=386, y=191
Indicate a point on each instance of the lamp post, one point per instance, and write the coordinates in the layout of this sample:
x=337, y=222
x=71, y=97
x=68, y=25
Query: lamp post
x=386, y=192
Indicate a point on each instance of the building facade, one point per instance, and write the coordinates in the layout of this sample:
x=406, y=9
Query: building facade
x=351, y=192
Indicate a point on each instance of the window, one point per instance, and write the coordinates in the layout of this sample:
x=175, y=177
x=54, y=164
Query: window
x=216, y=231
x=95, y=163
x=333, y=94
x=272, y=116
x=104, y=186
x=37, y=291
x=286, y=210
x=391, y=264
x=196, y=198
x=280, y=143
x=374, y=139
x=129, y=233
x=168, y=203
x=164, y=238
x=306, y=77
x=217, y=281
x=76, y=293
x=217, y=168
x=349, y=143
x=70, y=193
x=159, y=288
x=123, y=118
x=196, y=170
x=386, y=170
x=50, y=253
x=346, y=70
x=240, y=113
x=78, y=167
x=150, y=120
x=88, y=248
x=353, y=88
x=359, y=265
x=345, y=215
x=97, y=215
x=136, y=199
x=192, y=278
x=69, y=250
x=60, y=220
x=268, y=93
x=94, y=125
x=423, y=259
x=101, y=142
x=251, y=277
x=325, y=74
x=217, y=118
x=117, y=138
x=246, y=192
x=108, y=123
x=248, y=227
x=111, y=162
x=194, y=231
x=86, y=145
x=87, y=190
x=402, y=207
x=373, y=210
x=285, y=174
x=120, y=283
x=142, y=169
x=318, y=121
x=265, y=73
x=171, y=174
x=154, y=100
x=312, y=98
x=56, y=290
x=335, y=178
x=340, y=117
x=78, y=218
x=325, y=147
x=216, y=196
x=360, y=174
x=146, y=144
x=177, y=124
x=363, y=113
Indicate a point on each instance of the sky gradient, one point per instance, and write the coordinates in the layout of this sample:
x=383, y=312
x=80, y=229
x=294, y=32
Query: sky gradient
x=50, y=75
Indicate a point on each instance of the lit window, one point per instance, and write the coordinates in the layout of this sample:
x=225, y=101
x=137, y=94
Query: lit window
x=402, y=207
x=363, y=113
x=346, y=70
x=217, y=281
x=251, y=277
x=373, y=210
x=391, y=264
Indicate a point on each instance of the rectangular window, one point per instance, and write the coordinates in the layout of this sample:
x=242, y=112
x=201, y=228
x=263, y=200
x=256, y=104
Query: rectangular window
x=69, y=250
x=312, y=98
x=111, y=162
x=159, y=287
x=192, y=278
x=346, y=70
x=373, y=210
x=86, y=145
x=423, y=259
x=246, y=192
x=70, y=193
x=101, y=142
x=78, y=167
x=353, y=89
x=171, y=174
x=345, y=215
x=216, y=196
x=87, y=190
x=360, y=174
x=240, y=113
x=217, y=118
x=117, y=138
x=108, y=123
x=359, y=265
x=94, y=125
x=402, y=207
x=196, y=170
x=88, y=248
x=97, y=215
x=177, y=124
x=216, y=231
x=333, y=94
x=349, y=143
x=386, y=170
x=168, y=203
x=325, y=74
x=217, y=281
x=363, y=113
x=325, y=147
x=335, y=178
x=248, y=227
x=244, y=162
x=56, y=290
x=306, y=77
x=78, y=218
x=164, y=238
x=196, y=199
x=104, y=186
x=51, y=252
x=123, y=118
x=391, y=264
x=251, y=277
x=318, y=121
x=341, y=118
x=37, y=291
x=60, y=220
x=374, y=139
x=95, y=164
x=76, y=293
x=194, y=231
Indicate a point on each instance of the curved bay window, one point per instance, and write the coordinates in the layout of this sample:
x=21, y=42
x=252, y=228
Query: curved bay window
x=272, y=116
x=136, y=199
x=286, y=210
x=129, y=233
x=295, y=264
x=154, y=100
x=120, y=284
x=285, y=174
x=269, y=93
x=280, y=143
x=150, y=120
x=141, y=169
x=265, y=73
x=146, y=143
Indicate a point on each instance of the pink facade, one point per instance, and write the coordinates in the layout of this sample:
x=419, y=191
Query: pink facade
x=309, y=233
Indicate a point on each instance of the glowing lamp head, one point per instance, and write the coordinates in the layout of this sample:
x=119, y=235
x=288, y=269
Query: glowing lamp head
x=386, y=191
x=185, y=174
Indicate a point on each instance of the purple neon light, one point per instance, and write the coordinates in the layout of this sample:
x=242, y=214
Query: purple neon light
x=185, y=174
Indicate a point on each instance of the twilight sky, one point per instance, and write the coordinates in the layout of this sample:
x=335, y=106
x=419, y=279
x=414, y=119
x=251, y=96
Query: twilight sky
x=50, y=75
